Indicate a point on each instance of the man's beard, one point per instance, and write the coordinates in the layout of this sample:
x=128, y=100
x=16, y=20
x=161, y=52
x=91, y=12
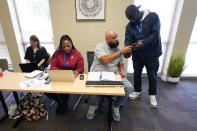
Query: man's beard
x=113, y=45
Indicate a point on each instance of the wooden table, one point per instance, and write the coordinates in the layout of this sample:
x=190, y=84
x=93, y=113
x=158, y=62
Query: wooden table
x=11, y=82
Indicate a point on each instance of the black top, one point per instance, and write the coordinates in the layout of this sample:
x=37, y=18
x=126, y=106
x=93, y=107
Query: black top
x=150, y=36
x=37, y=57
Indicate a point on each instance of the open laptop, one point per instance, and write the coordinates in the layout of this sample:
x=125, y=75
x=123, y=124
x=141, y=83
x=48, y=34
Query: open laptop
x=61, y=75
x=28, y=67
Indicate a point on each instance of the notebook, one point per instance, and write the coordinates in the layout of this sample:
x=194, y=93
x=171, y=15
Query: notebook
x=28, y=67
x=101, y=76
x=61, y=75
x=102, y=79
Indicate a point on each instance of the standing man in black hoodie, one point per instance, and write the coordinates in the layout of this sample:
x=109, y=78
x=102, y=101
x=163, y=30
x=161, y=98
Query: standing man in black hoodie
x=143, y=32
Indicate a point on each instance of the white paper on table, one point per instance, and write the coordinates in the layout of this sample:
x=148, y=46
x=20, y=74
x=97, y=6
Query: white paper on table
x=31, y=83
x=108, y=76
x=101, y=76
x=27, y=84
x=94, y=76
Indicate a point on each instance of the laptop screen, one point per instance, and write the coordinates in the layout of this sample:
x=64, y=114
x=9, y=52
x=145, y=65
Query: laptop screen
x=61, y=75
x=28, y=67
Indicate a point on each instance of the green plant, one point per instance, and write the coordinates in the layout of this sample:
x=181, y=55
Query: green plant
x=176, y=66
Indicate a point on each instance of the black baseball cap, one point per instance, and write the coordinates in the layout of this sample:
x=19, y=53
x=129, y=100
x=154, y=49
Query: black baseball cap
x=131, y=10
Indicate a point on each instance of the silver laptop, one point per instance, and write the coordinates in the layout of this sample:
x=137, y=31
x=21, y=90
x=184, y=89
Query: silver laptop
x=61, y=75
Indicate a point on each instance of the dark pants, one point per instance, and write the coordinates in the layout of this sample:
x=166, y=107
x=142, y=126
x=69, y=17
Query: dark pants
x=61, y=99
x=152, y=67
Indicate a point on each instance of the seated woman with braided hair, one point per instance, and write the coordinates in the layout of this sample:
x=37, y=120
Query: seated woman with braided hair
x=66, y=57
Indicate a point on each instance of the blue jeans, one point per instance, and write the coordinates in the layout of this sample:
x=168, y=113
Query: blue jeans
x=128, y=88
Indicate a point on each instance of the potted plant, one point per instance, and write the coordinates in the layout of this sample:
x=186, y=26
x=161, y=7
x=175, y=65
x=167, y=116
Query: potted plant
x=175, y=68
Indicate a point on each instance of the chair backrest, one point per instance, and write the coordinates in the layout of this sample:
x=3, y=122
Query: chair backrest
x=49, y=59
x=90, y=59
x=3, y=64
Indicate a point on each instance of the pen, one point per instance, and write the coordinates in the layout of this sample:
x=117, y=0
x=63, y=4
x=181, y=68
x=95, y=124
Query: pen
x=101, y=76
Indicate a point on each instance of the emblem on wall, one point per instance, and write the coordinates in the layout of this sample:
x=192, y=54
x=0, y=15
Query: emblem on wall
x=90, y=9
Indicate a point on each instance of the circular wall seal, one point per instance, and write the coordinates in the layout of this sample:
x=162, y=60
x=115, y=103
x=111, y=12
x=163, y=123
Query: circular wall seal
x=90, y=8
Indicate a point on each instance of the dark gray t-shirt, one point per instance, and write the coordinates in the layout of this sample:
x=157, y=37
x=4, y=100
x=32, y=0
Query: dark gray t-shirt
x=103, y=49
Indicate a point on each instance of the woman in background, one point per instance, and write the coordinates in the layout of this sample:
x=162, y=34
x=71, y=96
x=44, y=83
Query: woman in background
x=35, y=53
x=66, y=57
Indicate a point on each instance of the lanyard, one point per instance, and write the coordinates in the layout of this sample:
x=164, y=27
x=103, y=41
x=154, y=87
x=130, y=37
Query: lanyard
x=140, y=28
x=66, y=63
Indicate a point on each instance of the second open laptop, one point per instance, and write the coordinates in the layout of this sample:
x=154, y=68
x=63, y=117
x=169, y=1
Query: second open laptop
x=61, y=75
x=28, y=67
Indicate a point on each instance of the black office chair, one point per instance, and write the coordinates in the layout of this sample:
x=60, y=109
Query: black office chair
x=3, y=64
x=49, y=59
x=90, y=59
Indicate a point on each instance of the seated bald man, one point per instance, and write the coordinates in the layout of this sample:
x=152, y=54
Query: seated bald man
x=109, y=57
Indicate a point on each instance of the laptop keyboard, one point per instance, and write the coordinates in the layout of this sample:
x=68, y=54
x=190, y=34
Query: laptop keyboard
x=104, y=83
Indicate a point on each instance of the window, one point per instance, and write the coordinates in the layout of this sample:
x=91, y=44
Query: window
x=191, y=63
x=34, y=18
x=165, y=10
x=194, y=33
x=4, y=54
x=2, y=39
